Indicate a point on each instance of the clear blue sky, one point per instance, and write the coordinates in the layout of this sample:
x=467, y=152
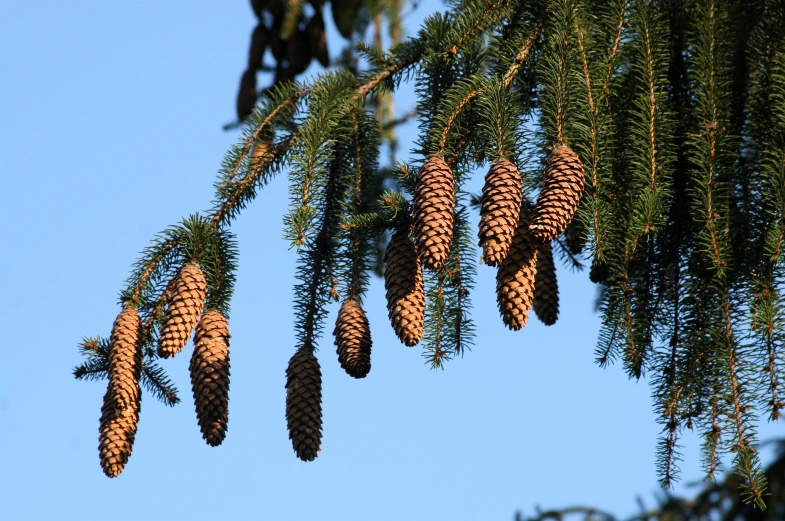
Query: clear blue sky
x=110, y=130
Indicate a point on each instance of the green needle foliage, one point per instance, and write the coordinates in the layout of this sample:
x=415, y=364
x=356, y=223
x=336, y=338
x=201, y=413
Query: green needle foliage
x=676, y=109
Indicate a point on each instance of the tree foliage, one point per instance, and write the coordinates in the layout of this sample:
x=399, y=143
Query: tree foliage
x=676, y=109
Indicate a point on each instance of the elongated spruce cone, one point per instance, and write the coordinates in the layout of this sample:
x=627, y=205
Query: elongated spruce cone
x=500, y=205
x=546, y=288
x=515, y=277
x=304, y=403
x=210, y=376
x=116, y=434
x=434, y=206
x=183, y=310
x=120, y=410
x=353, y=339
x=574, y=237
x=562, y=188
x=125, y=358
x=405, y=291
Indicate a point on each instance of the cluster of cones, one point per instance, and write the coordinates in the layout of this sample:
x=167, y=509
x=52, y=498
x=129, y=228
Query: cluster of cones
x=516, y=241
x=209, y=368
x=519, y=242
x=293, y=49
x=513, y=239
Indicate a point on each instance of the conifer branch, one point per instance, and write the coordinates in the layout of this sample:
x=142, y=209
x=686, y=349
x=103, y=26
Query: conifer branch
x=506, y=82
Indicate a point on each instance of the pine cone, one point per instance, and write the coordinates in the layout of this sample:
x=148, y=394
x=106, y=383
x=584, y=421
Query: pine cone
x=434, y=205
x=546, y=288
x=500, y=205
x=515, y=277
x=574, y=238
x=183, y=310
x=562, y=188
x=120, y=411
x=125, y=359
x=210, y=376
x=304, y=403
x=258, y=46
x=246, y=96
x=353, y=338
x=116, y=434
x=599, y=272
x=405, y=292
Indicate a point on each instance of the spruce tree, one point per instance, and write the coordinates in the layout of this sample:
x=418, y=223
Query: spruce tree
x=649, y=136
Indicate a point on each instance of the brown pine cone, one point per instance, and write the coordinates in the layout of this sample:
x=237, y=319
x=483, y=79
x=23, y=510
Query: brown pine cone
x=562, y=188
x=304, y=403
x=405, y=291
x=500, y=205
x=183, y=310
x=434, y=205
x=515, y=277
x=116, y=433
x=353, y=338
x=546, y=288
x=573, y=236
x=599, y=272
x=125, y=358
x=210, y=376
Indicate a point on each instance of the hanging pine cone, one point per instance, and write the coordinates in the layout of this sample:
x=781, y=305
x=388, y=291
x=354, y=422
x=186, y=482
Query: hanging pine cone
x=353, y=338
x=434, y=205
x=405, y=292
x=573, y=236
x=515, y=277
x=210, y=376
x=562, y=188
x=304, y=403
x=116, y=434
x=546, y=288
x=183, y=310
x=500, y=205
x=125, y=358
x=599, y=272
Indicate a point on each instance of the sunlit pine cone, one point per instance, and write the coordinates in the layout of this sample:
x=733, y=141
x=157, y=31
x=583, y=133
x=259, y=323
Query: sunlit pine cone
x=515, y=277
x=304, y=403
x=500, y=205
x=546, y=288
x=562, y=188
x=116, y=433
x=434, y=205
x=403, y=281
x=353, y=339
x=183, y=310
x=210, y=376
x=125, y=358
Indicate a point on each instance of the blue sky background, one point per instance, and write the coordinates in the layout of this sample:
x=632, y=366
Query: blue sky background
x=110, y=130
